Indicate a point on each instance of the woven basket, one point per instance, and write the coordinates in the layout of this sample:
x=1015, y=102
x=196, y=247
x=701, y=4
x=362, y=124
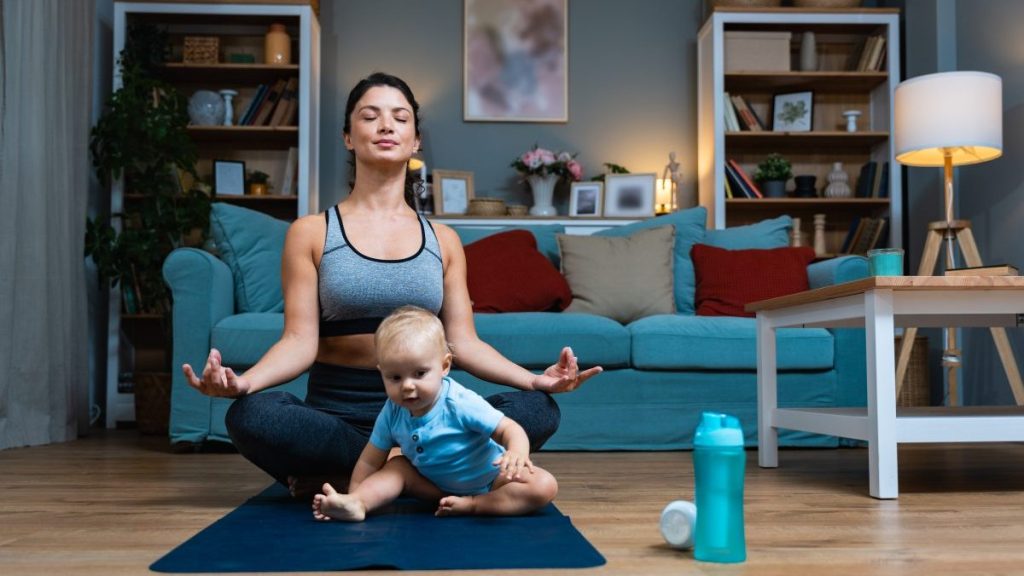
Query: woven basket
x=915, y=391
x=744, y=4
x=486, y=207
x=152, y=402
x=518, y=210
x=201, y=50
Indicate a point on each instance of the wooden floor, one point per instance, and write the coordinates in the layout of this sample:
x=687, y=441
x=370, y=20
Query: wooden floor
x=115, y=502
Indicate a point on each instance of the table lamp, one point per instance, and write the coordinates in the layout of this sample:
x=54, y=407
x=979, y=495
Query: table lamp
x=950, y=119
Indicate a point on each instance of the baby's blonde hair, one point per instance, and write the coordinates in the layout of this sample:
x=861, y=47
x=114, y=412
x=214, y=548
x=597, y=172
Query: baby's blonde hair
x=409, y=327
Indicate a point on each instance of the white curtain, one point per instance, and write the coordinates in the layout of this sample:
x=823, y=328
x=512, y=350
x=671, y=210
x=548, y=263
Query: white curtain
x=45, y=88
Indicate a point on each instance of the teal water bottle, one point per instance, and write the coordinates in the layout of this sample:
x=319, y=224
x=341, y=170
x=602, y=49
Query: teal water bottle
x=718, y=464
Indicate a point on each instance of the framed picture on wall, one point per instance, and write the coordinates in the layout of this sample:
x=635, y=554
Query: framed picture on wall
x=629, y=195
x=585, y=198
x=228, y=178
x=793, y=112
x=515, y=61
x=452, y=191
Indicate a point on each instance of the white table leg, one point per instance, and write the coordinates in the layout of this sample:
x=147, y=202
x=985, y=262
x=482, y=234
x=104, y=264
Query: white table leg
x=881, y=382
x=767, y=395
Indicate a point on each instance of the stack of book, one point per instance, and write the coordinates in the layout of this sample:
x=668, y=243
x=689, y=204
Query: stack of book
x=739, y=116
x=873, y=182
x=865, y=234
x=738, y=184
x=871, y=56
x=274, y=104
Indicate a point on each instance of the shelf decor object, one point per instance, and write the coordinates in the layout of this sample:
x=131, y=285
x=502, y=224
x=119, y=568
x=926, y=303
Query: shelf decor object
x=951, y=119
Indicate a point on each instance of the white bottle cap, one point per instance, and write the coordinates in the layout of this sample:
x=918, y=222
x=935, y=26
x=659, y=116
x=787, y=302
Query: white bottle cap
x=678, y=522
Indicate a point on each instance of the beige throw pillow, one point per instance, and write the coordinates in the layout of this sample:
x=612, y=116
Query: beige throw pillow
x=623, y=278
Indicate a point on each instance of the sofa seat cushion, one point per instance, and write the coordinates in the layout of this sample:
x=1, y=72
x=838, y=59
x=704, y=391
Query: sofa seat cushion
x=678, y=342
x=243, y=338
x=534, y=339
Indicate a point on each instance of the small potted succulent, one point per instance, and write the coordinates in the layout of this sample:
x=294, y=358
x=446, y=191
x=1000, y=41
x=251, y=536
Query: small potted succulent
x=259, y=183
x=772, y=173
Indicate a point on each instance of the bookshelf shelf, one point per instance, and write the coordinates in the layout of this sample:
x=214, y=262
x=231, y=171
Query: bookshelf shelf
x=857, y=53
x=247, y=137
x=225, y=72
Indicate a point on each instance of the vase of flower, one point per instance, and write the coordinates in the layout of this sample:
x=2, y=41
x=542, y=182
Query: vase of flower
x=543, y=190
x=543, y=169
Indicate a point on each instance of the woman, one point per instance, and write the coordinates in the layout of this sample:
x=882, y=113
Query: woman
x=342, y=272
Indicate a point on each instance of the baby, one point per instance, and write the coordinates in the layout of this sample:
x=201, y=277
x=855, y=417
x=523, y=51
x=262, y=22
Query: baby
x=457, y=449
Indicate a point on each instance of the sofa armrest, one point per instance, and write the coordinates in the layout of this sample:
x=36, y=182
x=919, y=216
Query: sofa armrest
x=837, y=271
x=203, y=293
x=850, y=351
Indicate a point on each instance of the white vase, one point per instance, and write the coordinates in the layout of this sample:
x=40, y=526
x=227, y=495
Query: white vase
x=808, y=52
x=543, y=190
x=837, y=182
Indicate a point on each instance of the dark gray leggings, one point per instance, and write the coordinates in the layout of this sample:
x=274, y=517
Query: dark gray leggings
x=324, y=435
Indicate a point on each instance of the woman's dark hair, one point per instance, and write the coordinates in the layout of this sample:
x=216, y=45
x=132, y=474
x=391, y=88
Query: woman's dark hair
x=361, y=88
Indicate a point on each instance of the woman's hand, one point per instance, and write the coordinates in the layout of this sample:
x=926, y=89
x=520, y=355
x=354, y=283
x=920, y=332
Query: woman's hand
x=565, y=376
x=217, y=380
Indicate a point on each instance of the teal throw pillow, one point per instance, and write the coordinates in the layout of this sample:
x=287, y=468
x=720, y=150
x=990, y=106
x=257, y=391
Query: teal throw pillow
x=251, y=243
x=764, y=235
x=689, y=229
x=547, y=243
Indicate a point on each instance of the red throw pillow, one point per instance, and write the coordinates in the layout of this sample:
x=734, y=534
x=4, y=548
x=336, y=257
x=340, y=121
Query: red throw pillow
x=727, y=280
x=506, y=273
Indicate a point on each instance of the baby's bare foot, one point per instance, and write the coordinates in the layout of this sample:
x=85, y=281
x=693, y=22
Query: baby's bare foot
x=456, y=506
x=343, y=507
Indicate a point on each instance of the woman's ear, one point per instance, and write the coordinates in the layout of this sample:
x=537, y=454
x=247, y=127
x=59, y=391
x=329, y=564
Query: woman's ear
x=348, y=141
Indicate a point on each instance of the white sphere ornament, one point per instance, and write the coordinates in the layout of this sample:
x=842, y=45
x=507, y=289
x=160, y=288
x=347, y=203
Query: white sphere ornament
x=206, y=108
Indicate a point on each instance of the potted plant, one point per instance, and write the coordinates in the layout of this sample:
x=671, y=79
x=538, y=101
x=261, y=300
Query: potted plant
x=772, y=173
x=259, y=183
x=141, y=138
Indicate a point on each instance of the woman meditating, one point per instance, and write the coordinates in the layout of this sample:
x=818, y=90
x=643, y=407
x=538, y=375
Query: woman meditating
x=343, y=271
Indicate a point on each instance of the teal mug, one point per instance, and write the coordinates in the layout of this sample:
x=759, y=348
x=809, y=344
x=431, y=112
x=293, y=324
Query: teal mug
x=885, y=262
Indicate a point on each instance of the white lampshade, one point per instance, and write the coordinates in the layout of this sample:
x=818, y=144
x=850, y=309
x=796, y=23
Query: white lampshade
x=958, y=111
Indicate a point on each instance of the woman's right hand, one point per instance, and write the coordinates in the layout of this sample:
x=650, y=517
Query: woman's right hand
x=218, y=380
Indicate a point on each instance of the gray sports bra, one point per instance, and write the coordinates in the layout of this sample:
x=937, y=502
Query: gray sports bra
x=357, y=291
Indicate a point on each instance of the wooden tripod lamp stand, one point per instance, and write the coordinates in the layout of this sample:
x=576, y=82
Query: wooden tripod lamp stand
x=951, y=119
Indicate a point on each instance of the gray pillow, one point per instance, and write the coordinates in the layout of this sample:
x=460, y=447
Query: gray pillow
x=623, y=278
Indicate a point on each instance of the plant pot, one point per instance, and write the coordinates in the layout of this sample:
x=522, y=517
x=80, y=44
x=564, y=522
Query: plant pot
x=152, y=402
x=774, y=188
x=257, y=189
x=805, y=186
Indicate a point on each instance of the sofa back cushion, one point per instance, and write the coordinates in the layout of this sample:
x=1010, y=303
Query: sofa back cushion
x=621, y=278
x=251, y=243
x=770, y=233
x=728, y=280
x=689, y=229
x=506, y=273
x=543, y=233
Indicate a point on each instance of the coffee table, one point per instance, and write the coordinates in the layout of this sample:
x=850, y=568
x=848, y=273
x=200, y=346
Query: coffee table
x=879, y=305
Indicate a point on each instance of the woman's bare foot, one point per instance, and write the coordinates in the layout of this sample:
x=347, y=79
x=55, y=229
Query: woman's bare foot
x=343, y=507
x=456, y=506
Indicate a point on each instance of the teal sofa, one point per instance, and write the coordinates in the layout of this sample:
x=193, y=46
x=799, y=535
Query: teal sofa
x=660, y=373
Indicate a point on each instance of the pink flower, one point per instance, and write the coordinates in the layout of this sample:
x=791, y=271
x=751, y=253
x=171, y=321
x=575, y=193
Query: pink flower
x=546, y=156
x=575, y=170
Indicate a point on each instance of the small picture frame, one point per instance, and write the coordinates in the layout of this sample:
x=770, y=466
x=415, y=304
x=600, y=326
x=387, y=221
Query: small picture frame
x=452, y=191
x=793, y=112
x=228, y=178
x=629, y=195
x=585, y=198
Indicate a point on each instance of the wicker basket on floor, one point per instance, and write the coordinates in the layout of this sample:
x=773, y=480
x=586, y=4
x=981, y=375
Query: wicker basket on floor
x=915, y=391
x=152, y=402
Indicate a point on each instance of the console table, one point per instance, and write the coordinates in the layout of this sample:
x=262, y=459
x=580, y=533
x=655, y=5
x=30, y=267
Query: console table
x=880, y=304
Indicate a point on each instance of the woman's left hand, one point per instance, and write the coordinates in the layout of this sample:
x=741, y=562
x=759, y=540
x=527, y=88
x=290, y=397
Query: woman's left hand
x=565, y=376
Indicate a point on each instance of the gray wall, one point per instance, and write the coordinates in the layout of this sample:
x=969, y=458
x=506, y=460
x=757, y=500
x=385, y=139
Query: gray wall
x=632, y=88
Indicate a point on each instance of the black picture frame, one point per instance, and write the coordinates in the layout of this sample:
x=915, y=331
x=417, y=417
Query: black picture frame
x=228, y=178
x=786, y=105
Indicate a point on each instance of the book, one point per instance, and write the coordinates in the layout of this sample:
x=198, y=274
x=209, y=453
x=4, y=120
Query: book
x=883, y=186
x=732, y=123
x=877, y=52
x=285, y=102
x=868, y=235
x=990, y=270
x=876, y=182
x=746, y=114
x=291, y=167
x=273, y=94
x=739, y=188
x=865, y=179
x=865, y=55
x=746, y=179
x=851, y=234
x=261, y=91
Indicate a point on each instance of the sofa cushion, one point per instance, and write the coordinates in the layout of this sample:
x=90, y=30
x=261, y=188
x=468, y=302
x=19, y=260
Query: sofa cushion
x=728, y=280
x=506, y=273
x=534, y=339
x=622, y=278
x=771, y=233
x=689, y=229
x=544, y=233
x=677, y=342
x=251, y=243
x=243, y=338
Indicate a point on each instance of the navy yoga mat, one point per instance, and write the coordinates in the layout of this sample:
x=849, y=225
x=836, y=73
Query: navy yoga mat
x=273, y=532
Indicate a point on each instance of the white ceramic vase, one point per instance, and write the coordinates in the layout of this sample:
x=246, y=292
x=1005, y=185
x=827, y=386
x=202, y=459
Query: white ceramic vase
x=543, y=190
x=808, y=52
x=206, y=108
x=838, y=186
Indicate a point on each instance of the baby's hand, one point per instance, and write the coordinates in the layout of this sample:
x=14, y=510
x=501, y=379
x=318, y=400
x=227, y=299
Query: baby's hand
x=511, y=463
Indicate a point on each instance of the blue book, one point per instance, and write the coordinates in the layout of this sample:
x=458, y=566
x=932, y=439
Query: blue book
x=253, y=105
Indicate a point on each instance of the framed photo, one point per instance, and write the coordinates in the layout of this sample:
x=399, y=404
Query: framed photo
x=452, y=191
x=793, y=112
x=515, y=61
x=629, y=194
x=585, y=198
x=228, y=177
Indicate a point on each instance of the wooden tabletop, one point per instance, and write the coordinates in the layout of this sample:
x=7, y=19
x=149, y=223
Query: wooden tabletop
x=900, y=283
